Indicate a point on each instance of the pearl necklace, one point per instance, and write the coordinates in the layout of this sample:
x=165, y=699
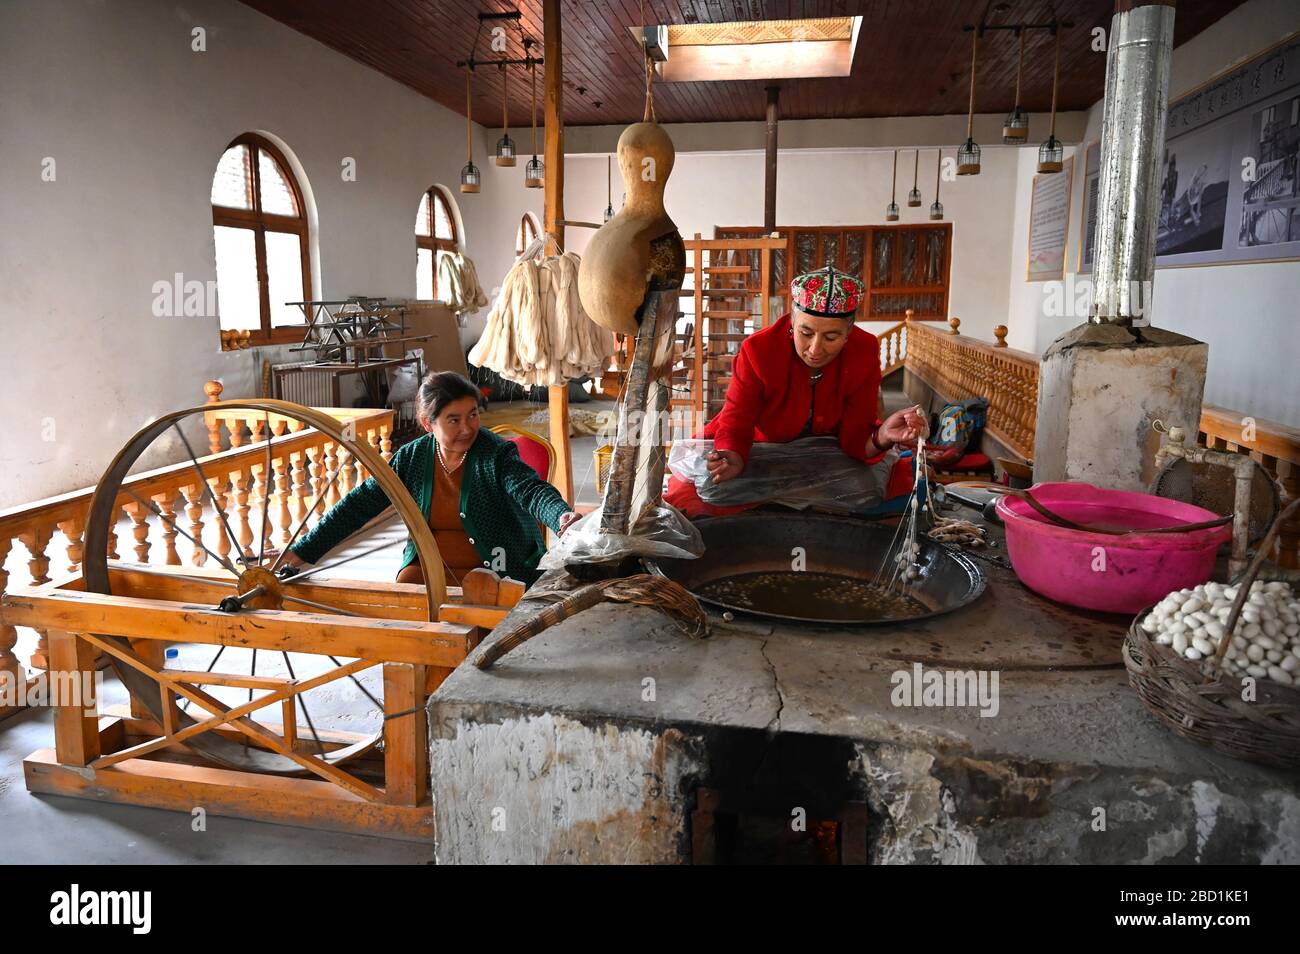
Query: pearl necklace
x=443, y=461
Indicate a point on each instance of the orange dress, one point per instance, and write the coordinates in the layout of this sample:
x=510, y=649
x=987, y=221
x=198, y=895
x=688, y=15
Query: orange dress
x=458, y=554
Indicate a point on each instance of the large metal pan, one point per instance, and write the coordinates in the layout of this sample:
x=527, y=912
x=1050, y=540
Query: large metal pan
x=767, y=542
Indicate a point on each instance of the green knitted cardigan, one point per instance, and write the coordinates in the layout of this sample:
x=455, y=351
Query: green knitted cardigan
x=501, y=501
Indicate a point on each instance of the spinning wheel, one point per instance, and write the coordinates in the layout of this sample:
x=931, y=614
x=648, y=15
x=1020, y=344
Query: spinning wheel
x=255, y=586
x=216, y=754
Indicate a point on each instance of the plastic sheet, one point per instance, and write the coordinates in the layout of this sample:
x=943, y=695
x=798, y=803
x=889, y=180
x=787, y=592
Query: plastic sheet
x=808, y=472
x=663, y=532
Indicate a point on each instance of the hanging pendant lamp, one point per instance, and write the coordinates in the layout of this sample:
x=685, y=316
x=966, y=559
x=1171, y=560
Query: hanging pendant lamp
x=1015, y=128
x=914, y=197
x=505, y=145
x=469, y=176
x=968, y=156
x=609, y=199
x=936, y=208
x=1051, y=154
x=891, y=210
x=534, y=172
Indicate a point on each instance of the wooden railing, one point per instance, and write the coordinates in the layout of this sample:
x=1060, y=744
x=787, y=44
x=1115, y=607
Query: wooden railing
x=238, y=480
x=957, y=367
x=1275, y=446
x=237, y=426
x=893, y=346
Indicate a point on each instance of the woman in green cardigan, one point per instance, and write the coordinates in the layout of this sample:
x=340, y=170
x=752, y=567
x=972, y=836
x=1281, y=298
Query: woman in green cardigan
x=483, y=503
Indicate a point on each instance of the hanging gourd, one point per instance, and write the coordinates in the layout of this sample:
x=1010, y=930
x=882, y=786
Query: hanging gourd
x=639, y=249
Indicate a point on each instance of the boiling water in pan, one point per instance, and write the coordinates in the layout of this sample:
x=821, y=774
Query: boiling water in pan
x=749, y=563
x=826, y=596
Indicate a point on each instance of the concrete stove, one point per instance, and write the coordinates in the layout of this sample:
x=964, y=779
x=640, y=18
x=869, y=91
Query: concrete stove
x=1004, y=733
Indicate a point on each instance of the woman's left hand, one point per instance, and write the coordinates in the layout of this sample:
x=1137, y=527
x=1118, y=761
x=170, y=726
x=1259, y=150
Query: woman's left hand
x=568, y=520
x=902, y=427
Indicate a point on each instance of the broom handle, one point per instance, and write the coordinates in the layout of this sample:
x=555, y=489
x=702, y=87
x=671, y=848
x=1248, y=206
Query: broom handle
x=1252, y=571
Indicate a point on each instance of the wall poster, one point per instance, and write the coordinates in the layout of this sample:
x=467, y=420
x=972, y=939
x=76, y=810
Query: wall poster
x=1229, y=189
x=1049, y=220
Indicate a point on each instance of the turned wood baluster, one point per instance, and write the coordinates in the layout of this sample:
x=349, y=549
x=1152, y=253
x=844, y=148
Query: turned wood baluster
x=331, y=462
x=9, y=662
x=1026, y=396
x=301, y=486
x=112, y=536
x=167, y=526
x=316, y=477
x=139, y=515
x=386, y=442
x=235, y=428
x=37, y=541
x=213, y=390
x=241, y=481
x=261, y=483
x=280, y=508
x=193, y=494
x=72, y=530
x=1009, y=383
x=356, y=469
x=347, y=478
x=219, y=502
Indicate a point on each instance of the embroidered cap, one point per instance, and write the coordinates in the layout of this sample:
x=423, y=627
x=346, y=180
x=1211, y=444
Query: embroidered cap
x=826, y=293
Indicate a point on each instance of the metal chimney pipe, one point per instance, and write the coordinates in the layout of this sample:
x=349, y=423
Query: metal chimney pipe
x=1132, y=152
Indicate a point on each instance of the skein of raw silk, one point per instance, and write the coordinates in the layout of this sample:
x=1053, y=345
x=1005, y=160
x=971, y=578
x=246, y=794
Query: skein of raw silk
x=538, y=332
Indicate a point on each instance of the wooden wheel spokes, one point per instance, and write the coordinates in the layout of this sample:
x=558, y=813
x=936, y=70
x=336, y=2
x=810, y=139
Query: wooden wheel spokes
x=185, y=684
x=252, y=586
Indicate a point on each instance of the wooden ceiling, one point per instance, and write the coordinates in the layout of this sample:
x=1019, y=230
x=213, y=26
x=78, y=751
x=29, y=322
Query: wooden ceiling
x=912, y=58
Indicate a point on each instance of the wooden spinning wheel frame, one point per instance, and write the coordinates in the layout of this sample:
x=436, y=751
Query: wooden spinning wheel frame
x=234, y=764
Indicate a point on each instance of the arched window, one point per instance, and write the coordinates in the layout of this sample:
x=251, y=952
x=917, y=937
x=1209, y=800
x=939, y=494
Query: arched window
x=259, y=223
x=435, y=233
x=527, y=233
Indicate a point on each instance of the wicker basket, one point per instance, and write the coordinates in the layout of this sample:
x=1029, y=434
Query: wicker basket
x=1211, y=711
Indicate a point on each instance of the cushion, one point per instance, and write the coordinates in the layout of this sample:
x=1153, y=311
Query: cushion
x=533, y=454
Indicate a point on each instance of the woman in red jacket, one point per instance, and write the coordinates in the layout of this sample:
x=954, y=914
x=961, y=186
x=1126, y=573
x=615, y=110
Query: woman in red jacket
x=813, y=372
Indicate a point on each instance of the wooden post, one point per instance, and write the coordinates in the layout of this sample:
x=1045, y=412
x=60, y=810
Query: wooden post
x=769, y=179
x=554, y=197
x=406, y=737
x=76, y=734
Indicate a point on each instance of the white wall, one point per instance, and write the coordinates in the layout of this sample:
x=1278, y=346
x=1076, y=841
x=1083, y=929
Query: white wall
x=833, y=187
x=1247, y=312
x=135, y=121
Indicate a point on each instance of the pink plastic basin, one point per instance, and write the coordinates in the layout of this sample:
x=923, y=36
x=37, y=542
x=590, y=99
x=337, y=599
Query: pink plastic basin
x=1099, y=571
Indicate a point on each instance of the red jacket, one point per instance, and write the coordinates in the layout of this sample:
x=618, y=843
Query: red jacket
x=769, y=396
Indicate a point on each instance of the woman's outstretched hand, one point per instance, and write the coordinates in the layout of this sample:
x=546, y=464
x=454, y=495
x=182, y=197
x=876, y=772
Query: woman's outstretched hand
x=724, y=465
x=902, y=427
x=568, y=520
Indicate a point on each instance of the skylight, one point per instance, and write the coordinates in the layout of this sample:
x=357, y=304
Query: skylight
x=757, y=49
